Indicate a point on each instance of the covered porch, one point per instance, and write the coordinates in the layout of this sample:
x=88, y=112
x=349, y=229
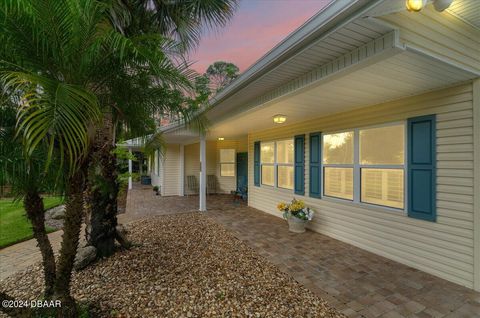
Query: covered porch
x=195, y=165
x=380, y=69
x=366, y=75
x=355, y=282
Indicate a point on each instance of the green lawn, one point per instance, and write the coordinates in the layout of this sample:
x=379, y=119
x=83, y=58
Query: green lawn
x=14, y=225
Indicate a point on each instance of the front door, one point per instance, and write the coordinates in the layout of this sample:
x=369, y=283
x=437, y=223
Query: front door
x=242, y=170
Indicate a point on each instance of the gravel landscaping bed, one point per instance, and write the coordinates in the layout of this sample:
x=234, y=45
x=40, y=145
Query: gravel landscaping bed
x=183, y=266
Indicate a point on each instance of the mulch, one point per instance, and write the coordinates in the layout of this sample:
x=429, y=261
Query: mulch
x=183, y=265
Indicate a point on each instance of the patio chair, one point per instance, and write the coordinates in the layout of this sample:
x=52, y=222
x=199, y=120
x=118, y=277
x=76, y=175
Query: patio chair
x=241, y=194
x=192, y=185
x=212, y=184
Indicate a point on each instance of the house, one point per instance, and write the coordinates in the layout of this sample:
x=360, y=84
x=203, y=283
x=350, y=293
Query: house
x=371, y=115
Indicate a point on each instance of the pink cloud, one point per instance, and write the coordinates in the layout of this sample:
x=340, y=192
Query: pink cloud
x=255, y=29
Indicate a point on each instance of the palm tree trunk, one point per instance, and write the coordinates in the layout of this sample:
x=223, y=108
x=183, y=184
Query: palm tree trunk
x=74, y=209
x=102, y=192
x=36, y=214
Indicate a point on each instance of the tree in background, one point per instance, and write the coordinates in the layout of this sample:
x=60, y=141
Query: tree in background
x=202, y=89
x=220, y=74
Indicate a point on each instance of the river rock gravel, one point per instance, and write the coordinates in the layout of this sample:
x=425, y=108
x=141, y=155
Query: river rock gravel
x=183, y=265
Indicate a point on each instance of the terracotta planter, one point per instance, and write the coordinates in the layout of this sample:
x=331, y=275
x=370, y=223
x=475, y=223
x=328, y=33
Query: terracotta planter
x=296, y=225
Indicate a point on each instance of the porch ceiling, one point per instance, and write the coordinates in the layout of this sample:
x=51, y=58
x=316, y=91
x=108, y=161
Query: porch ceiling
x=401, y=75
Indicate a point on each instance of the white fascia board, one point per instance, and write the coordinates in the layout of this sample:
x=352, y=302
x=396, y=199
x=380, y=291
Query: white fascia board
x=331, y=18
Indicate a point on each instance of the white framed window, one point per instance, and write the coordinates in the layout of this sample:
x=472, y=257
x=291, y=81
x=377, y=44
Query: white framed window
x=276, y=158
x=381, y=164
x=284, y=161
x=366, y=165
x=338, y=153
x=267, y=162
x=227, y=162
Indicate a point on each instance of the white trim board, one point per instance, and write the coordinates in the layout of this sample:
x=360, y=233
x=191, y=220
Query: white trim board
x=476, y=186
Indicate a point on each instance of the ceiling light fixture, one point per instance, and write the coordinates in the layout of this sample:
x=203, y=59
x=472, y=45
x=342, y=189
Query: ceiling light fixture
x=415, y=5
x=279, y=119
x=221, y=138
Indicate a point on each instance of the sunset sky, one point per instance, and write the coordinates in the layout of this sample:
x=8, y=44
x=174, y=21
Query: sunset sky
x=257, y=26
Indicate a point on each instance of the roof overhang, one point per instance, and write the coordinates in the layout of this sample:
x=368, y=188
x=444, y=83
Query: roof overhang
x=342, y=49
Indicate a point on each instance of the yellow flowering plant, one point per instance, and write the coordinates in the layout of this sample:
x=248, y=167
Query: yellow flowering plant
x=297, y=209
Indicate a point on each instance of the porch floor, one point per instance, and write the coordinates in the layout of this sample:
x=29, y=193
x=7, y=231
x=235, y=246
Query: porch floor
x=354, y=281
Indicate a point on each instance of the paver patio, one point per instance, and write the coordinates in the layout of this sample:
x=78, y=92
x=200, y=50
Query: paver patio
x=355, y=282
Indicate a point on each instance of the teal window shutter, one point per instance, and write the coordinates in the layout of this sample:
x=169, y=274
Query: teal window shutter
x=299, y=170
x=256, y=163
x=421, y=140
x=315, y=165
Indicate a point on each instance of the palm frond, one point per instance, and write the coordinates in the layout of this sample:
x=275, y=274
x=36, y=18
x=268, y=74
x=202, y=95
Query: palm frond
x=185, y=21
x=52, y=108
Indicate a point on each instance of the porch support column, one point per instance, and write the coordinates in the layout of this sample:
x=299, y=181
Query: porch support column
x=149, y=166
x=182, y=170
x=130, y=170
x=203, y=175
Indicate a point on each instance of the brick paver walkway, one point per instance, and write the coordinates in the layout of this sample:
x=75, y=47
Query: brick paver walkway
x=17, y=257
x=141, y=202
x=356, y=282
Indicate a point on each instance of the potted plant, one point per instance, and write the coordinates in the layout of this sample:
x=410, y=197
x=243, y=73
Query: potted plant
x=156, y=189
x=296, y=214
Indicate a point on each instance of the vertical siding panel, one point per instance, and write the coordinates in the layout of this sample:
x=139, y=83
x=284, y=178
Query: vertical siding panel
x=169, y=174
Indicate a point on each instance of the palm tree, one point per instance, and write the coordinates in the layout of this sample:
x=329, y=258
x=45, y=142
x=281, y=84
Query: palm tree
x=137, y=90
x=54, y=54
x=59, y=58
x=183, y=21
x=28, y=178
x=156, y=93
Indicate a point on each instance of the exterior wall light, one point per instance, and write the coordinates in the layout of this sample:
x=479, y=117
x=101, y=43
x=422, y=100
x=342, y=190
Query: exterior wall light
x=279, y=119
x=441, y=5
x=415, y=5
x=221, y=138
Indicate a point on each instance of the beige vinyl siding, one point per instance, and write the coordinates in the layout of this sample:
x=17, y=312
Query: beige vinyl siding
x=170, y=171
x=443, y=248
x=227, y=184
x=439, y=33
x=192, y=162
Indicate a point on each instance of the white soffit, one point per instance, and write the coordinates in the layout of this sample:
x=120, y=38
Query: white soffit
x=399, y=76
x=467, y=10
x=344, y=40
